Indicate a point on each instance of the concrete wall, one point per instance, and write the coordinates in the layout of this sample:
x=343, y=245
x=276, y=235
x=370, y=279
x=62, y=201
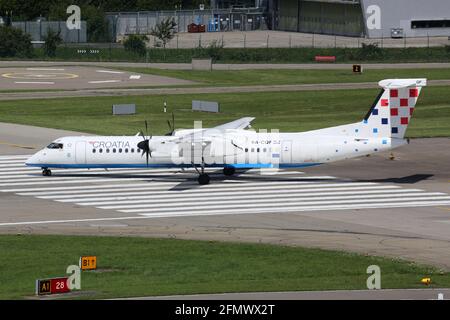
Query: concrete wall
x=400, y=13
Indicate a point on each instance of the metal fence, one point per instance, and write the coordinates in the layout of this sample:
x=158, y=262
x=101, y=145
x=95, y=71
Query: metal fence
x=283, y=39
x=38, y=30
x=125, y=23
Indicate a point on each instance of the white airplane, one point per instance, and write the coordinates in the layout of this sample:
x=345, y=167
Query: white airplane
x=230, y=146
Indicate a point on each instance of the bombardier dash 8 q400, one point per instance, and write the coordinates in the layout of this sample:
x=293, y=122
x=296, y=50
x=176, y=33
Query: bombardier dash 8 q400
x=230, y=146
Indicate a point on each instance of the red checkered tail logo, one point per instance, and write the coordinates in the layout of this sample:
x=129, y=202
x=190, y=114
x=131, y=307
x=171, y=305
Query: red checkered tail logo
x=391, y=112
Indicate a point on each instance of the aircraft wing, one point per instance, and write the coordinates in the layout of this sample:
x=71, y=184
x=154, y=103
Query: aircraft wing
x=207, y=134
x=241, y=123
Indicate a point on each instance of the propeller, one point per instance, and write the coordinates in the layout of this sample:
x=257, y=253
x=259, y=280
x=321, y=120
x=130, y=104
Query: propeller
x=145, y=144
x=171, y=126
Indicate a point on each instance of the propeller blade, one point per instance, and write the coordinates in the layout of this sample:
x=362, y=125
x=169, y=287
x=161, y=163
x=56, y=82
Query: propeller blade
x=171, y=126
x=173, y=122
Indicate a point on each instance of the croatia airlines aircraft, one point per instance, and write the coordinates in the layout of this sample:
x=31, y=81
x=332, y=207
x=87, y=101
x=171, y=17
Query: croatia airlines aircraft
x=232, y=146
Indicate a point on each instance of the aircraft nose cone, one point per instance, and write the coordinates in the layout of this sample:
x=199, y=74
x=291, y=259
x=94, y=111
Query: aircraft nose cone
x=34, y=159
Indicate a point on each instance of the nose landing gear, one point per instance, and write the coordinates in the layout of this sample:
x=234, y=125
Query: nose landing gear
x=203, y=178
x=46, y=172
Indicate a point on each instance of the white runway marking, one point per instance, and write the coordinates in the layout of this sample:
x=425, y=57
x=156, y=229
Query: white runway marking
x=34, y=82
x=109, y=71
x=156, y=193
x=46, y=69
x=119, y=196
x=118, y=204
x=103, y=81
x=135, y=77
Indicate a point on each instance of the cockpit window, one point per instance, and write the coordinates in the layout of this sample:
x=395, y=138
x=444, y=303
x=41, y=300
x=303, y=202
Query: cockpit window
x=54, y=145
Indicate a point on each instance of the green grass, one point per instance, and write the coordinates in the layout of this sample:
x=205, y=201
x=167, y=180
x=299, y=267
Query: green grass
x=276, y=76
x=141, y=266
x=286, y=111
x=292, y=76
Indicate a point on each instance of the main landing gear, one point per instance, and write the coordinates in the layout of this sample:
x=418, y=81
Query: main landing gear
x=203, y=178
x=229, y=171
x=46, y=172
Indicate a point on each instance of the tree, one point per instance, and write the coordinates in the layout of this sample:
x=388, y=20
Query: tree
x=51, y=42
x=136, y=43
x=14, y=43
x=164, y=30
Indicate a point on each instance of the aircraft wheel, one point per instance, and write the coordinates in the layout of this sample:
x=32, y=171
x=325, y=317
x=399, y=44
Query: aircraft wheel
x=203, y=179
x=229, y=171
x=46, y=172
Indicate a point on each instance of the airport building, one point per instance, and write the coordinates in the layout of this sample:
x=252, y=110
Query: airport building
x=399, y=18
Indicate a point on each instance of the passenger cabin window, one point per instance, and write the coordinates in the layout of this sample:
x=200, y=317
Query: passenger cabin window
x=54, y=145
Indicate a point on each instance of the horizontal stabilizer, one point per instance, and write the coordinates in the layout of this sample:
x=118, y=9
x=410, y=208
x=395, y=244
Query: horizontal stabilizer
x=402, y=83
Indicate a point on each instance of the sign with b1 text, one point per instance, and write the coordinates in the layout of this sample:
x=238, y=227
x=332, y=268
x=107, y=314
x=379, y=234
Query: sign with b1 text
x=88, y=262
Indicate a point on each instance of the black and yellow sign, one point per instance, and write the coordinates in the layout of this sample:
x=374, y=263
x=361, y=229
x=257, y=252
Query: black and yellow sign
x=88, y=262
x=357, y=68
x=43, y=287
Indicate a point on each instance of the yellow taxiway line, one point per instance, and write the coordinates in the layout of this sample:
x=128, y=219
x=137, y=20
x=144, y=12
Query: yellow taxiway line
x=16, y=145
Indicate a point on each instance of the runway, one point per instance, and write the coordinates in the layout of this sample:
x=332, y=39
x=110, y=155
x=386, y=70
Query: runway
x=77, y=78
x=396, y=208
x=163, y=193
x=385, y=294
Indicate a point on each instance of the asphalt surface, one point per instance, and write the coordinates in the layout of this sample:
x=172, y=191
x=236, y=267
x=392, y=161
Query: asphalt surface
x=16, y=139
x=90, y=203
x=386, y=294
x=44, y=80
x=195, y=90
x=76, y=77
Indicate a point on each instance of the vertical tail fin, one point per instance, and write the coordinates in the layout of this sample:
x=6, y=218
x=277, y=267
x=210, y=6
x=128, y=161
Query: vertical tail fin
x=391, y=112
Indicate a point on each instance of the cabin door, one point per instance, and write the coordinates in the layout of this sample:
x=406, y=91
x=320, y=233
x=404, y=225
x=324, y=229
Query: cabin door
x=80, y=152
x=286, y=151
